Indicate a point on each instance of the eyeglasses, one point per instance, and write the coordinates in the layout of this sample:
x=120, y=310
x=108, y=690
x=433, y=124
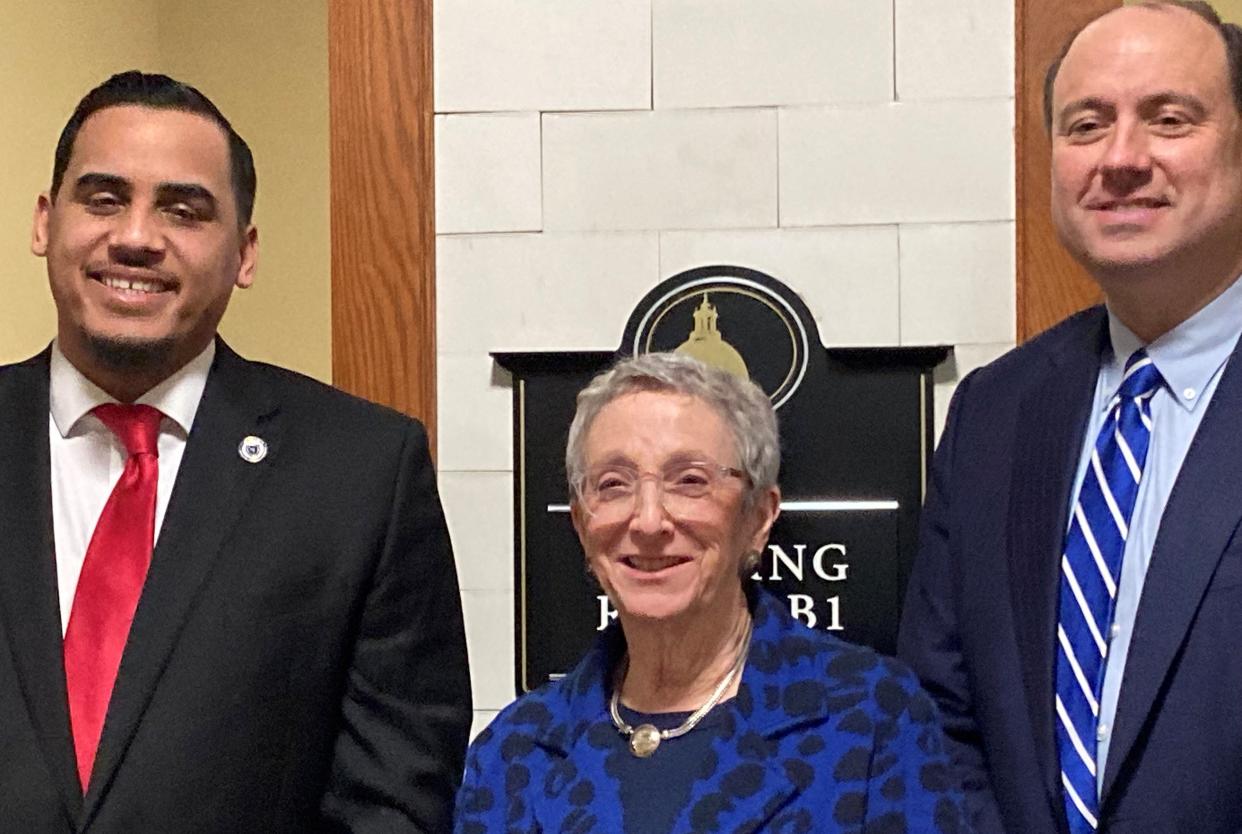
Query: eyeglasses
x=610, y=491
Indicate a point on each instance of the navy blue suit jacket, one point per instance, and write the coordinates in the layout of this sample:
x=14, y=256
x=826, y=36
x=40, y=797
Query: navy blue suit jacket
x=980, y=620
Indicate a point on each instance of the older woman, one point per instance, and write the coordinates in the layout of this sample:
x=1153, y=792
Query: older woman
x=706, y=707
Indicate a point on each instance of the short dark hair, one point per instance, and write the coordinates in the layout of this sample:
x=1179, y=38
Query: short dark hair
x=1230, y=33
x=160, y=92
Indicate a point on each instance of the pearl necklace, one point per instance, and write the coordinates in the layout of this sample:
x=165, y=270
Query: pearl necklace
x=645, y=738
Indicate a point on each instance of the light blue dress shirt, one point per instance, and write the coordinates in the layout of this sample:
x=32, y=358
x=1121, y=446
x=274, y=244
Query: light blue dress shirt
x=1190, y=357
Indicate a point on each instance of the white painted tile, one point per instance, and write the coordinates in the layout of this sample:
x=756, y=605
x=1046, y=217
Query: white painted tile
x=916, y=162
x=846, y=275
x=957, y=283
x=676, y=169
x=487, y=173
x=542, y=54
x=482, y=717
x=954, y=49
x=730, y=53
x=539, y=292
x=474, y=429
x=479, y=510
x=489, y=640
x=965, y=359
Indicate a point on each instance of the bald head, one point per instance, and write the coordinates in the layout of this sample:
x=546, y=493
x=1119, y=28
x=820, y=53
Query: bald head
x=1229, y=34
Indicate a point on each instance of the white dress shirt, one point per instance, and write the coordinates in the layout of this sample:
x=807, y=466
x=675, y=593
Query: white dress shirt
x=1191, y=357
x=87, y=458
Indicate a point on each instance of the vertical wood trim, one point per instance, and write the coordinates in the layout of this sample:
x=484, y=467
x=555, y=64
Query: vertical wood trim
x=382, y=203
x=1050, y=284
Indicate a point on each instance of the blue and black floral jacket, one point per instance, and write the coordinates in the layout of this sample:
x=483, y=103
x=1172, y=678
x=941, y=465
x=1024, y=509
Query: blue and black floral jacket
x=823, y=736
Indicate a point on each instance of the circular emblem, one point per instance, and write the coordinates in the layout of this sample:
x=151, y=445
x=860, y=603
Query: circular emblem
x=252, y=449
x=732, y=322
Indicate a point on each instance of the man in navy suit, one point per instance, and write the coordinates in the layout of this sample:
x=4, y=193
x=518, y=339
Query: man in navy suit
x=1144, y=109
x=227, y=596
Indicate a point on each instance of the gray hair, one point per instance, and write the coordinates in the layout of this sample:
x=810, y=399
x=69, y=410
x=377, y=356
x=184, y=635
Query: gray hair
x=746, y=410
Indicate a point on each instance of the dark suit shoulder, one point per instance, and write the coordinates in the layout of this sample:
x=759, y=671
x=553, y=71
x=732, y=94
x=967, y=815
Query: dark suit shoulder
x=303, y=396
x=37, y=364
x=1076, y=339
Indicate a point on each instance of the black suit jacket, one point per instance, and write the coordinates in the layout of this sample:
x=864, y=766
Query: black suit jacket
x=980, y=620
x=297, y=660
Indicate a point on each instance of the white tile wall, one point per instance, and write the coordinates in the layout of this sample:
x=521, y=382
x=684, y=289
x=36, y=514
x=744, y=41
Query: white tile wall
x=954, y=49
x=918, y=162
x=486, y=536
x=727, y=53
x=487, y=173
x=846, y=276
x=489, y=639
x=957, y=283
x=474, y=429
x=547, y=291
x=541, y=54
x=682, y=169
x=858, y=150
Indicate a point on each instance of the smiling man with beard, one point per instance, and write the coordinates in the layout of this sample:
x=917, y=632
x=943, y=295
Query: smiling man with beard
x=227, y=595
x=1075, y=604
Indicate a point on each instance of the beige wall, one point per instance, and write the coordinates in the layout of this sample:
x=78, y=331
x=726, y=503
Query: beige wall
x=50, y=54
x=1231, y=10
x=265, y=65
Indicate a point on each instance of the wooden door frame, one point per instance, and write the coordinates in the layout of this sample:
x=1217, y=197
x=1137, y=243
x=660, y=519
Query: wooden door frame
x=1050, y=284
x=381, y=116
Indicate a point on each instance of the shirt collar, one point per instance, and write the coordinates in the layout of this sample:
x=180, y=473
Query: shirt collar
x=1188, y=356
x=71, y=396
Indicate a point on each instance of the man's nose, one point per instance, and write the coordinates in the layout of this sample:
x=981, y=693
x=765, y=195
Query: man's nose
x=136, y=238
x=1126, y=165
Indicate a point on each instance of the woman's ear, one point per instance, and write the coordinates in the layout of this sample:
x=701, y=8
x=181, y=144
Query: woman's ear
x=578, y=516
x=764, y=513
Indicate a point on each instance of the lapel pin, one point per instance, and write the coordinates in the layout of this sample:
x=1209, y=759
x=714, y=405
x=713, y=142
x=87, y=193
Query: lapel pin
x=252, y=449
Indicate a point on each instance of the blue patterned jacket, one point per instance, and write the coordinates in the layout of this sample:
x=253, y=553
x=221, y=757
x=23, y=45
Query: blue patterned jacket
x=823, y=736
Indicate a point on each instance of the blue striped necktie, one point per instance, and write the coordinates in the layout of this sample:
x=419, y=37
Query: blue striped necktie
x=1090, y=567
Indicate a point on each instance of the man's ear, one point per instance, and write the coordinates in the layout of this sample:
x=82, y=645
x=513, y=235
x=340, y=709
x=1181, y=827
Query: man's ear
x=38, y=234
x=249, y=260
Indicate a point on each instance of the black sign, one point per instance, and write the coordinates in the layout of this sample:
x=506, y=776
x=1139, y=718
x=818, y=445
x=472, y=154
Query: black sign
x=856, y=438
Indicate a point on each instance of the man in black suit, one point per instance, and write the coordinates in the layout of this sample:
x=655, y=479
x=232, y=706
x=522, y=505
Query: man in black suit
x=227, y=595
x=1077, y=597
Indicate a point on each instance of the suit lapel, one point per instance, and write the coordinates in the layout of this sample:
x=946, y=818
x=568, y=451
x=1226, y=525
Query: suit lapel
x=28, y=594
x=213, y=487
x=1194, y=531
x=1050, y=427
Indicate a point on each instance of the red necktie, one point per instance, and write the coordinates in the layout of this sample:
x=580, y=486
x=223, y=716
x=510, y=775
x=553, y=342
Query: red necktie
x=111, y=580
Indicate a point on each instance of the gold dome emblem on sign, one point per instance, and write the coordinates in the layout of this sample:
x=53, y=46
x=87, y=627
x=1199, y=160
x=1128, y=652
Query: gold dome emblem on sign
x=707, y=345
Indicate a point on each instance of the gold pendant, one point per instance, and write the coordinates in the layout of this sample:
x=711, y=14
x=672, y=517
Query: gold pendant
x=644, y=740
